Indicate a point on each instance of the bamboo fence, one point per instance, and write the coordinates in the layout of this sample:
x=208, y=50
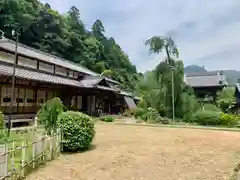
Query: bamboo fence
x=19, y=157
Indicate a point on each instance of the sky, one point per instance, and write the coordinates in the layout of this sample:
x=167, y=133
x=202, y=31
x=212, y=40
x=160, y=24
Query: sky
x=207, y=33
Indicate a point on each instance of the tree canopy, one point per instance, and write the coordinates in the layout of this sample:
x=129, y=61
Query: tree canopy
x=66, y=36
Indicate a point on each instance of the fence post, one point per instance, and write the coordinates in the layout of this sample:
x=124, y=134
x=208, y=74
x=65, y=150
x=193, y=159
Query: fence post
x=23, y=158
x=33, y=153
x=12, y=157
x=51, y=147
x=43, y=149
x=4, y=161
x=59, y=141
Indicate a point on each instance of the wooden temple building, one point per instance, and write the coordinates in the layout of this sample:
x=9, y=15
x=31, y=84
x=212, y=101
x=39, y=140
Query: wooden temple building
x=207, y=84
x=40, y=76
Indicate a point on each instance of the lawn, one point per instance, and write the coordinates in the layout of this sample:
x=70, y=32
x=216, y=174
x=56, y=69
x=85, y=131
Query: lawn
x=149, y=153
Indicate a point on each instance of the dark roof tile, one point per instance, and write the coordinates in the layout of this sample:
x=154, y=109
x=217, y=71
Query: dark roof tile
x=6, y=70
x=206, y=79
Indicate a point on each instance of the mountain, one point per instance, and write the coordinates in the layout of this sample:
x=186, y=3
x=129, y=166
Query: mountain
x=194, y=69
x=231, y=75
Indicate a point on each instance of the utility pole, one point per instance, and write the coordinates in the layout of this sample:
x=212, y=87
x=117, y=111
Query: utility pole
x=13, y=81
x=173, y=98
x=172, y=71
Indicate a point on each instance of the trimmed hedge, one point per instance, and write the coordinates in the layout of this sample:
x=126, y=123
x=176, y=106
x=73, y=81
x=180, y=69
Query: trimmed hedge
x=77, y=129
x=207, y=117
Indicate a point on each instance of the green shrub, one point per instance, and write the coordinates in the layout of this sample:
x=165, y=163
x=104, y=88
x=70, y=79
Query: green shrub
x=107, y=118
x=77, y=129
x=228, y=119
x=163, y=120
x=139, y=113
x=210, y=107
x=48, y=114
x=207, y=117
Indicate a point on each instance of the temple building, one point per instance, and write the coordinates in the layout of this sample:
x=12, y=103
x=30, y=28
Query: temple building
x=40, y=76
x=207, y=84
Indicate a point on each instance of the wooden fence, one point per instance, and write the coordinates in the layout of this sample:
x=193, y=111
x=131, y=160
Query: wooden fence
x=19, y=157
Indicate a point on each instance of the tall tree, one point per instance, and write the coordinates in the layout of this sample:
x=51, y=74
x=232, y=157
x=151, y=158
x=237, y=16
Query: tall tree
x=65, y=35
x=163, y=70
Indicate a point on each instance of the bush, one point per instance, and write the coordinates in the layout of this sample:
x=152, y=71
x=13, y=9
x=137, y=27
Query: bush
x=107, y=118
x=228, y=120
x=139, y=113
x=211, y=107
x=48, y=114
x=77, y=129
x=207, y=117
x=163, y=120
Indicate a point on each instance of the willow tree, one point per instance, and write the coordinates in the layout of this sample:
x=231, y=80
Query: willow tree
x=158, y=44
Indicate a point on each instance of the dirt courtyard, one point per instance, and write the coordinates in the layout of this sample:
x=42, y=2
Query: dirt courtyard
x=126, y=152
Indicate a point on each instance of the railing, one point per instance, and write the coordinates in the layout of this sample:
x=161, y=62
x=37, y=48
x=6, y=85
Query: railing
x=19, y=157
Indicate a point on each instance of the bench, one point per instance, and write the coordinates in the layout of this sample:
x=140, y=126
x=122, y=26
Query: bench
x=19, y=118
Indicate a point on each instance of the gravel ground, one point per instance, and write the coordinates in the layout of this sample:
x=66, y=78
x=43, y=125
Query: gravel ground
x=149, y=153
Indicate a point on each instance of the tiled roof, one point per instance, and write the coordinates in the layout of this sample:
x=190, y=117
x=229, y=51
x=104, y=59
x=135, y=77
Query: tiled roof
x=93, y=82
x=106, y=88
x=6, y=70
x=206, y=79
x=90, y=81
x=34, y=53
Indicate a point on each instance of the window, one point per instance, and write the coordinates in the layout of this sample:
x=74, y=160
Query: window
x=7, y=57
x=75, y=75
x=61, y=71
x=30, y=96
x=46, y=67
x=41, y=97
x=27, y=62
x=79, y=102
x=70, y=74
x=5, y=95
x=50, y=95
x=20, y=97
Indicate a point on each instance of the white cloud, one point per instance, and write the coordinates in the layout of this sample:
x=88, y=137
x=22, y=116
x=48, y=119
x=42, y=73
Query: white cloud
x=202, y=29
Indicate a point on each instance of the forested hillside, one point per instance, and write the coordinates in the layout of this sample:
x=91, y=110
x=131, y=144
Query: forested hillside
x=65, y=35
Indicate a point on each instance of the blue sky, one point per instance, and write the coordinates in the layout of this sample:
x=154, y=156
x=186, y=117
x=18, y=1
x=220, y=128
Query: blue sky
x=207, y=32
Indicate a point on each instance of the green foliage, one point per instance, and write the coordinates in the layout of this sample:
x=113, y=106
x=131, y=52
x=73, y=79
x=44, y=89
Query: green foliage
x=207, y=117
x=107, y=118
x=226, y=98
x=77, y=129
x=211, y=107
x=231, y=120
x=189, y=106
x=139, y=113
x=65, y=35
x=48, y=114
